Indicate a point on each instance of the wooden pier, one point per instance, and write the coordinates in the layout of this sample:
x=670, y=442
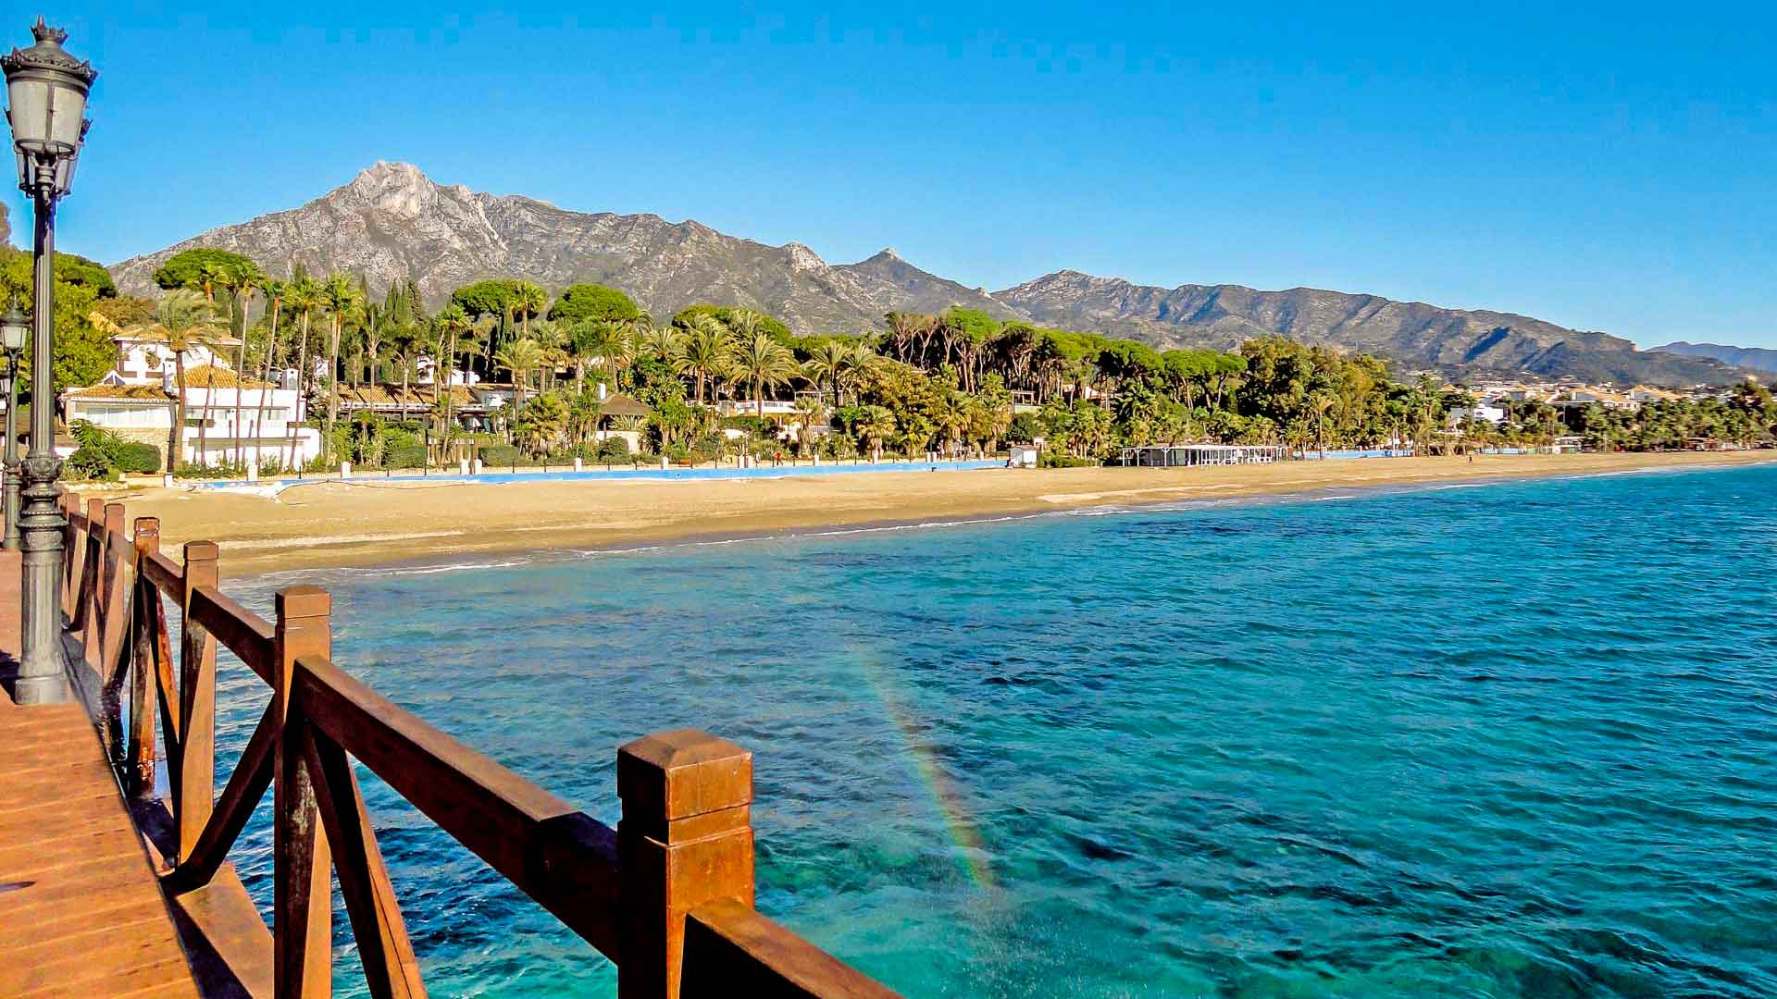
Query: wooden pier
x=108, y=889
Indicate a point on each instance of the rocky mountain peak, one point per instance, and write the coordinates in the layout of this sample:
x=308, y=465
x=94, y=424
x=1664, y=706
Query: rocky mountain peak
x=400, y=190
x=804, y=259
x=392, y=223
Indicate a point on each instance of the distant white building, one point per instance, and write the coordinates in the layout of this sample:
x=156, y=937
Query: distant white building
x=145, y=358
x=269, y=431
x=1481, y=413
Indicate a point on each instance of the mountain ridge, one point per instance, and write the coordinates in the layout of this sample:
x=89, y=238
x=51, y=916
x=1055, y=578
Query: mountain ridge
x=1756, y=358
x=391, y=222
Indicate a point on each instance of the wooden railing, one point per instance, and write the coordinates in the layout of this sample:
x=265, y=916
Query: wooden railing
x=667, y=895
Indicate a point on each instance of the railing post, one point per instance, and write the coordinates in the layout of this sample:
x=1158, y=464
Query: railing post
x=302, y=905
x=197, y=701
x=92, y=559
x=114, y=564
x=70, y=555
x=686, y=838
x=144, y=692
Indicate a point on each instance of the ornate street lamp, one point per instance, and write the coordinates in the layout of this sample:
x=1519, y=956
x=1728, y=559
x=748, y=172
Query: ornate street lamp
x=46, y=92
x=14, y=327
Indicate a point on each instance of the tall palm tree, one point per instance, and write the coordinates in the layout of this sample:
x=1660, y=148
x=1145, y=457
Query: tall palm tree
x=185, y=320
x=344, y=303
x=664, y=342
x=828, y=362
x=550, y=336
x=589, y=342
x=744, y=323
x=237, y=281
x=304, y=297
x=707, y=351
x=521, y=357
x=811, y=411
x=273, y=290
x=763, y=363
x=378, y=320
x=450, y=323
x=528, y=300
x=874, y=426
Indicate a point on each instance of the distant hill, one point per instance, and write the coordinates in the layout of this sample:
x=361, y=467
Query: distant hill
x=1453, y=341
x=392, y=223
x=1755, y=358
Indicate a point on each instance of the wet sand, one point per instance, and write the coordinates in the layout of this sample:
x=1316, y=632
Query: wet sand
x=366, y=522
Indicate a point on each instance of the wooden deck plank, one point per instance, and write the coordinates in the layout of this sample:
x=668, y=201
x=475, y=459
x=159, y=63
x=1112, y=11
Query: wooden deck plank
x=83, y=910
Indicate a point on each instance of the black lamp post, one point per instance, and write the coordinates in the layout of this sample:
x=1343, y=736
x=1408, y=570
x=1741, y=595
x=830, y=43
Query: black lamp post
x=14, y=327
x=46, y=92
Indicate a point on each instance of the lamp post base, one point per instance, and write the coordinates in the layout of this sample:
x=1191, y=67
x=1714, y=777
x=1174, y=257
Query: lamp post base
x=42, y=675
x=41, y=690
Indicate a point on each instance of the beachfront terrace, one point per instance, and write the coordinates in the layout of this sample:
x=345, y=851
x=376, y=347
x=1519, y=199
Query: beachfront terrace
x=1182, y=455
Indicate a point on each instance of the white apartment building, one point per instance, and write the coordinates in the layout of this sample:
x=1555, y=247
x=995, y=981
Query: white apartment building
x=135, y=400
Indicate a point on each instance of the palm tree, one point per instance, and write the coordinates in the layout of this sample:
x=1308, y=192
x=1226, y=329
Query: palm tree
x=831, y=362
x=451, y=323
x=239, y=282
x=707, y=351
x=592, y=341
x=543, y=423
x=664, y=342
x=521, y=357
x=744, y=323
x=185, y=320
x=343, y=301
x=874, y=426
x=764, y=363
x=528, y=300
x=552, y=338
x=810, y=411
x=377, y=320
x=485, y=336
x=584, y=411
x=274, y=291
x=304, y=296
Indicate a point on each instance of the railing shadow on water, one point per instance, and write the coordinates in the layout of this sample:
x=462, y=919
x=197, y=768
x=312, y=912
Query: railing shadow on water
x=667, y=895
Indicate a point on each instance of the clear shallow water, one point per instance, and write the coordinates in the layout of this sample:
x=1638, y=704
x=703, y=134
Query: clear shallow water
x=1510, y=740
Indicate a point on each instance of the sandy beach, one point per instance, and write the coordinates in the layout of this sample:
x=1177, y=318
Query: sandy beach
x=366, y=522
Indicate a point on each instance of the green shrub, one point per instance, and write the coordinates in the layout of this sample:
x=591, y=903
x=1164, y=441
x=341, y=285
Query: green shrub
x=137, y=458
x=397, y=435
x=404, y=456
x=613, y=449
x=89, y=463
x=1049, y=459
x=499, y=456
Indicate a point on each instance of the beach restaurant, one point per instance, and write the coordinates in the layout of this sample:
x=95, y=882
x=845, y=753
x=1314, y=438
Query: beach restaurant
x=1176, y=455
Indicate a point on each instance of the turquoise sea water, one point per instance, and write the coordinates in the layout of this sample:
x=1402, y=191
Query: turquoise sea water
x=1506, y=740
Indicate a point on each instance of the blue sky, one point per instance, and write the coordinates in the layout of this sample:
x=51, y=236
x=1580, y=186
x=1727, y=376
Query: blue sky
x=1601, y=166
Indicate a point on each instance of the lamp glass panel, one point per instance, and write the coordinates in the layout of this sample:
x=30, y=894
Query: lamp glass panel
x=67, y=105
x=27, y=100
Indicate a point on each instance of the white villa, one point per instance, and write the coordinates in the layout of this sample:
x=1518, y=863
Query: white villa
x=1479, y=413
x=136, y=401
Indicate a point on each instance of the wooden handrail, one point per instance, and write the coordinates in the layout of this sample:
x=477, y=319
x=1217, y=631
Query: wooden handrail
x=245, y=633
x=163, y=572
x=732, y=950
x=550, y=850
x=668, y=895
